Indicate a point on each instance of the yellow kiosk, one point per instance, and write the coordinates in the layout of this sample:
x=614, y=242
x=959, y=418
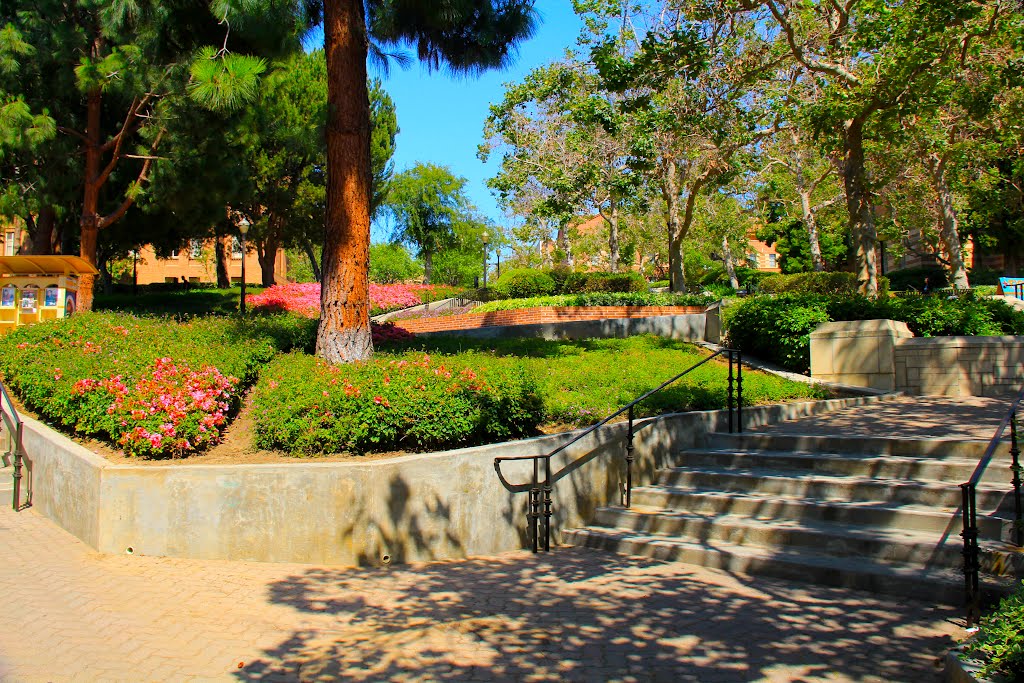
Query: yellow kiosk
x=37, y=288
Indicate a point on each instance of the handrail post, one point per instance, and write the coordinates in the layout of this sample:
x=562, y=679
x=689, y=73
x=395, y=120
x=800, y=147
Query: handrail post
x=16, y=494
x=739, y=391
x=547, y=505
x=1018, y=517
x=629, y=461
x=729, y=395
x=970, y=552
x=534, y=513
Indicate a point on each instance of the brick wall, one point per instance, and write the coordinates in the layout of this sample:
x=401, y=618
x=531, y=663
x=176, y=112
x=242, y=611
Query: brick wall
x=535, y=316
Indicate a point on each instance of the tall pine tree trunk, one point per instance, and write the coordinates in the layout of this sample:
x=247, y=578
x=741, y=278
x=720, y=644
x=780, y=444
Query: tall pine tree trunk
x=90, y=219
x=858, y=203
x=949, y=223
x=314, y=264
x=344, y=332
x=220, y=256
x=267, y=254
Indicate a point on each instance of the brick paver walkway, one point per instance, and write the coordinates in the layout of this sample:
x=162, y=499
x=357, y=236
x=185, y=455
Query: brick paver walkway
x=73, y=615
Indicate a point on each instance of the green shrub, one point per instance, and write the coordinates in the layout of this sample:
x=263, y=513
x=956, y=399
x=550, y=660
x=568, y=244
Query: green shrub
x=391, y=263
x=559, y=274
x=913, y=278
x=777, y=328
x=584, y=282
x=809, y=283
x=524, y=282
x=152, y=386
x=407, y=402
x=599, y=299
x=658, y=284
x=1000, y=640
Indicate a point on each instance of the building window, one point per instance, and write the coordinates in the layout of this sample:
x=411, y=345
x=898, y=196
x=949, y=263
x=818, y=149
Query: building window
x=9, y=244
x=196, y=249
x=752, y=259
x=174, y=253
x=773, y=260
x=236, y=248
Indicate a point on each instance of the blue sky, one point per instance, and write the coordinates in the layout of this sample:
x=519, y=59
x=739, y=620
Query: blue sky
x=441, y=117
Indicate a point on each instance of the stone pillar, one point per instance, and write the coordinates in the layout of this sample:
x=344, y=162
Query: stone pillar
x=857, y=352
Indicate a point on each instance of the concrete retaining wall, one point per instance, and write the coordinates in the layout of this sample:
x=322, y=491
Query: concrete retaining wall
x=417, y=507
x=690, y=327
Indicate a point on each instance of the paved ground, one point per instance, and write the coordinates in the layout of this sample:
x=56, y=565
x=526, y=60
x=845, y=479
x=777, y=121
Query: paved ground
x=970, y=417
x=73, y=615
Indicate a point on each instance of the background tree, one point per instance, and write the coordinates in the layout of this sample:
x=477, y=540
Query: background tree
x=427, y=202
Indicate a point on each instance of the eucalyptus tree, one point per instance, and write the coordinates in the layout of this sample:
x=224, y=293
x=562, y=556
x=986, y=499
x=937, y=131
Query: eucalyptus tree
x=464, y=36
x=870, y=61
x=687, y=71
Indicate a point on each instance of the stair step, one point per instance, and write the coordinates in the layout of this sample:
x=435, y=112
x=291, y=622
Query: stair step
x=939, y=585
x=873, y=445
x=885, y=514
x=917, y=548
x=934, y=468
x=828, y=487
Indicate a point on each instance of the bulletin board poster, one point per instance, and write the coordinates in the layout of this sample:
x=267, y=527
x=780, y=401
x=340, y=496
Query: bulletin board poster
x=7, y=297
x=69, y=304
x=50, y=297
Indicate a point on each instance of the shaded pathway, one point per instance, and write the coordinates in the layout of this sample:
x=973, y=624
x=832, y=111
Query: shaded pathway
x=72, y=614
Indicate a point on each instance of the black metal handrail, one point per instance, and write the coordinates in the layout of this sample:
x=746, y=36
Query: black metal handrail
x=15, y=428
x=540, y=494
x=969, y=490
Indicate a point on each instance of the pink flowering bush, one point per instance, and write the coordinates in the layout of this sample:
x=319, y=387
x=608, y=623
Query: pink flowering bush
x=409, y=401
x=304, y=298
x=151, y=386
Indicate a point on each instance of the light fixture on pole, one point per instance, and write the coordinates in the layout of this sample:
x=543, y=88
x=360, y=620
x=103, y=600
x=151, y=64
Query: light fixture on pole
x=243, y=227
x=485, y=238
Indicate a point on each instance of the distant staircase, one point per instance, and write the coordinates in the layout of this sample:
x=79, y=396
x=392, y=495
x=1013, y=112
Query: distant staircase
x=872, y=513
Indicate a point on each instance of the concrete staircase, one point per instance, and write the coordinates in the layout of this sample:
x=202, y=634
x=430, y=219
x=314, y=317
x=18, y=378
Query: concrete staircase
x=878, y=514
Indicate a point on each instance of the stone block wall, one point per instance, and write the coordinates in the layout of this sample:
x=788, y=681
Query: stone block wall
x=857, y=352
x=960, y=366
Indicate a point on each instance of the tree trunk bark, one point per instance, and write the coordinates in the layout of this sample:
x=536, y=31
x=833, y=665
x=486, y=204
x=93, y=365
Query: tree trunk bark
x=613, y=237
x=858, y=204
x=730, y=264
x=267, y=254
x=428, y=267
x=220, y=248
x=344, y=331
x=807, y=215
x=90, y=219
x=314, y=264
x=676, y=266
x=562, y=242
x=949, y=224
x=42, y=231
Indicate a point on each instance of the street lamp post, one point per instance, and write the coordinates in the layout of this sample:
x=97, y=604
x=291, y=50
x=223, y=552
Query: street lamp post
x=243, y=227
x=485, y=238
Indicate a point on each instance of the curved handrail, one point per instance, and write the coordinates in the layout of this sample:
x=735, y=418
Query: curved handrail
x=969, y=508
x=15, y=428
x=540, y=496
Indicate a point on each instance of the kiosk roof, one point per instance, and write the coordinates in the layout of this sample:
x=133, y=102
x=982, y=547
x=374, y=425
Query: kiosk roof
x=45, y=265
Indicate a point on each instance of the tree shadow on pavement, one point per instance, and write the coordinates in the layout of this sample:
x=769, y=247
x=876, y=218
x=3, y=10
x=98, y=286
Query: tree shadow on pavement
x=583, y=615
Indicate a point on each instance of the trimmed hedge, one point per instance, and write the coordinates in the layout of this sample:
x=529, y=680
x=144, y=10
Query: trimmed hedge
x=523, y=282
x=599, y=299
x=410, y=402
x=586, y=282
x=152, y=386
x=778, y=328
x=815, y=283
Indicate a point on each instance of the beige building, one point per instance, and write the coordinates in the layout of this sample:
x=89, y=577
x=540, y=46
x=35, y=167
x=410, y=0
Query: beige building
x=197, y=263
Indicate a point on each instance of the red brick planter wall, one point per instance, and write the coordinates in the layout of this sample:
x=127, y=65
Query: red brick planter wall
x=536, y=316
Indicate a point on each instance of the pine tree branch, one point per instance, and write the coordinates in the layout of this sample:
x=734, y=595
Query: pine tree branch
x=129, y=200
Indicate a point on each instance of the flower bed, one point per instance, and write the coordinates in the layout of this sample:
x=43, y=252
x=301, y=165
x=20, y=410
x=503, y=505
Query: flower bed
x=151, y=386
x=304, y=298
x=411, y=402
